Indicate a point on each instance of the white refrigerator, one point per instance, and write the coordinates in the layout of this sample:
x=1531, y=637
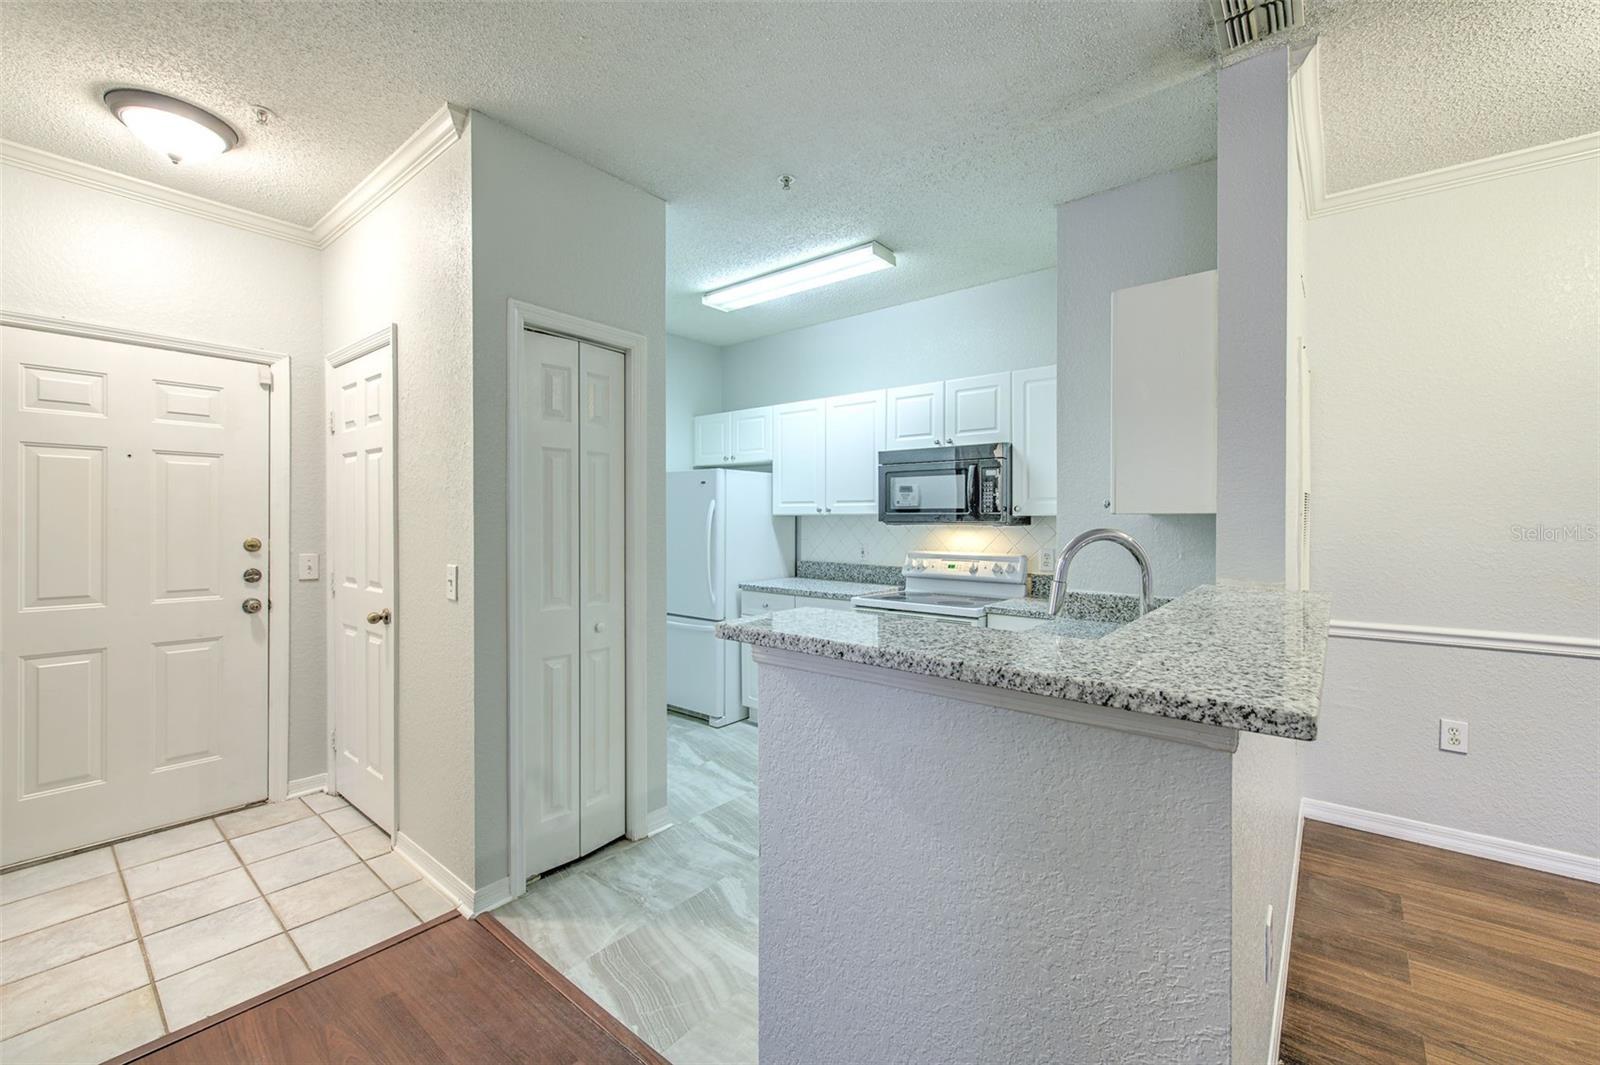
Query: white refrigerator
x=720, y=531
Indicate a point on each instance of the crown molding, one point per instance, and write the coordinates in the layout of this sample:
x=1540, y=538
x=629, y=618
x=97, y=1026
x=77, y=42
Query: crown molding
x=421, y=148
x=101, y=180
x=1305, y=110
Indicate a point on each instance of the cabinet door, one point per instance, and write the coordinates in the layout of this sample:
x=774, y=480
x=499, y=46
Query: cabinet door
x=914, y=416
x=799, y=465
x=1164, y=397
x=750, y=433
x=977, y=410
x=854, y=436
x=713, y=439
x=1033, y=418
x=747, y=677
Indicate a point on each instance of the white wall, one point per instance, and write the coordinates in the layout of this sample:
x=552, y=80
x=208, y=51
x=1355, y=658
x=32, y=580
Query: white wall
x=1004, y=325
x=558, y=233
x=1164, y=226
x=93, y=256
x=1455, y=344
x=409, y=262
x=694, y=386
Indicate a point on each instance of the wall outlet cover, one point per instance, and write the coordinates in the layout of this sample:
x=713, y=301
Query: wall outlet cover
x=1452, y=735
x=1047, y=560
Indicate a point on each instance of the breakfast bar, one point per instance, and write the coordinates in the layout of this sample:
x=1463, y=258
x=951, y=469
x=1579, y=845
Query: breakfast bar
x=1072, y=843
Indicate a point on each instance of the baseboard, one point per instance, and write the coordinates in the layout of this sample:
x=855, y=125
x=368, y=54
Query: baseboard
x=491, y=896
x=1288, y=942
x=449, y=885
x=1527, y=855
x=308, y=785
x=657, y=821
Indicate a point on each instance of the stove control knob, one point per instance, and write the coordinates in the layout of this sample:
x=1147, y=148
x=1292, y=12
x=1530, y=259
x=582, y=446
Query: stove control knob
x=973, y=568
x=998, y=568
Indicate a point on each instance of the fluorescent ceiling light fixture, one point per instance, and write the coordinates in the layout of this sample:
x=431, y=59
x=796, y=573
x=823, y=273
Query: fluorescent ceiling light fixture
x=841, y=265
x=180, y=131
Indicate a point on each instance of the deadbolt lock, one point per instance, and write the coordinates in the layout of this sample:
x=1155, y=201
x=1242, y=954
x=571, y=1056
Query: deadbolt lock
x=251, y=606
x=252, y=575
x=252, y=543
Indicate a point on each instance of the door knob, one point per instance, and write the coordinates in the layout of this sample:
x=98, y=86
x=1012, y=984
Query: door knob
x=599, y=626
x=252, y=544
x=251, y=606
x=379, y=615
x=252, y=575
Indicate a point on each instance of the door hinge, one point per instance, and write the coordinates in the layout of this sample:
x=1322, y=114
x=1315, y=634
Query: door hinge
x=330, y=423
x=333, y=740
x=266, y=377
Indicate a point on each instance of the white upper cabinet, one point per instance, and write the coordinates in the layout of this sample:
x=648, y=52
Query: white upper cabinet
x=734, y=438
x=751, y=433
x=1164, y=397
x=853, y=437
x=914, y=416
x=713, y=439
x=799, y=463
x=1033, y=417
x=977, y=410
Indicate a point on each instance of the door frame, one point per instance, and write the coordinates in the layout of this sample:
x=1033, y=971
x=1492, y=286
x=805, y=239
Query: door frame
x=635, y=350
x=389, y=335
x=279, y=502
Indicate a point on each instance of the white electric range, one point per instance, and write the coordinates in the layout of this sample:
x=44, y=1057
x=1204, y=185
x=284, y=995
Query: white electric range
x=951, y=587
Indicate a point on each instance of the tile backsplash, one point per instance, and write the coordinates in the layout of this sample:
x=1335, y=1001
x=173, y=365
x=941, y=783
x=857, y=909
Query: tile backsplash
x=864, y=539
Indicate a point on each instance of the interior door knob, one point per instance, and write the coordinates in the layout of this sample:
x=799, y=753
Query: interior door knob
x=251, y=606
x=252, y=575
x=599, y=626
x=379, y=615
x=252, y=544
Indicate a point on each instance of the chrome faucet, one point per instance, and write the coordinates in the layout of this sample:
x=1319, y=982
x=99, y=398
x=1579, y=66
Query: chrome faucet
x=1058, y=585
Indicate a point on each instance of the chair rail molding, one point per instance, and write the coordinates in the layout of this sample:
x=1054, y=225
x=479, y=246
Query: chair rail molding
x=1474, y=639
x=442, y=130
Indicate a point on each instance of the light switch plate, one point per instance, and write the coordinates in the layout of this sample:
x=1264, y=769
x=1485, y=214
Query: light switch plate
x=452, y=581
x=308, y=567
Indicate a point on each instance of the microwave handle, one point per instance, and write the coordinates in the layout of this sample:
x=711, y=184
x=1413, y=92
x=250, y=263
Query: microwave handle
x=974, y=497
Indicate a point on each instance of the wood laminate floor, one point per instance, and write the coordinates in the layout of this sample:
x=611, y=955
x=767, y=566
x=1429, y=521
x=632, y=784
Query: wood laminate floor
x=1406, y=953
x=455, y=991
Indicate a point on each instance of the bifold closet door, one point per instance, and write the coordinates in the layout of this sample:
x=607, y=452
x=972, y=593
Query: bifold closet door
x=571, y=567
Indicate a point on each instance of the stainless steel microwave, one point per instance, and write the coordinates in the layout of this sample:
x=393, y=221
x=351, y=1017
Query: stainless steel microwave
x=931, y=485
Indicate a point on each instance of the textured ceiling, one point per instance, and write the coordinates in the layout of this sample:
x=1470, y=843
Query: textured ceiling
x=948, y=131
x=1412, y=87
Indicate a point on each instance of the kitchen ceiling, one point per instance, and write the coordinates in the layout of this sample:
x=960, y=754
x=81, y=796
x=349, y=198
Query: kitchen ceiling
x=946, y=131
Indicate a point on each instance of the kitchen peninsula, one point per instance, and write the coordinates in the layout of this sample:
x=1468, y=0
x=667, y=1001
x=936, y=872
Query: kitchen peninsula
x=1058, y=844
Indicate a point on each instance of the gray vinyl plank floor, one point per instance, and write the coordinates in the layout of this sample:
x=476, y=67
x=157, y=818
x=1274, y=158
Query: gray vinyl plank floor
x=663, y=931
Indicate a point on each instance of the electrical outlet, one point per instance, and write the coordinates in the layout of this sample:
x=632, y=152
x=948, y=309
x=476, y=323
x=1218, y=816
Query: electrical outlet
x=452, y=581
x=308, y=567
x=1452, y=735
x=1047, y=560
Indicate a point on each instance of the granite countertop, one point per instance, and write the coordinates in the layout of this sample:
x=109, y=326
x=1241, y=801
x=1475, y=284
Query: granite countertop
x=813, y=588
x=1085, y=606
x=1244, y=656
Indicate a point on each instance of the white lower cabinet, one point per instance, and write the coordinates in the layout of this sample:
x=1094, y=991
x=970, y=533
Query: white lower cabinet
x=753, y=605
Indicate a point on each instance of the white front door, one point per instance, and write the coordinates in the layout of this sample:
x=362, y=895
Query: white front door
x=134, y=496
x=361, y=579
x=571, y=566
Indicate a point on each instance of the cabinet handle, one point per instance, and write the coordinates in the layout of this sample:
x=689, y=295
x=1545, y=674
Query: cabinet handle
x=819, y=510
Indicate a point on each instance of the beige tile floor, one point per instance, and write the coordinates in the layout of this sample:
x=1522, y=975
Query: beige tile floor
x=662, y=932
x=108, y=949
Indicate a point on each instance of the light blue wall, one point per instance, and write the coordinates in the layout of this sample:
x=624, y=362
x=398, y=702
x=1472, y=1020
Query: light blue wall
x=1004, y=325
x=1164, y=226
x=694, y=386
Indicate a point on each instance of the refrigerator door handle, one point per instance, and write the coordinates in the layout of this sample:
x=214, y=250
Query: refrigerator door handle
x=711, y=584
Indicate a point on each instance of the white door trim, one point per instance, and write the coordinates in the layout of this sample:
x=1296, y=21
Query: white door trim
x=390, y=336
x=279, y=565
x=635, y=350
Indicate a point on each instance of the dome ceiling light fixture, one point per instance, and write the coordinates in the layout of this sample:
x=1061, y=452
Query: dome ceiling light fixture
x=180, y=131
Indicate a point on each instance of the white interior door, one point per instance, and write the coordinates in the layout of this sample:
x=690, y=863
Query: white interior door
x=361, y=579
x=572, y=571
x=135, y=685
x=602, y=691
